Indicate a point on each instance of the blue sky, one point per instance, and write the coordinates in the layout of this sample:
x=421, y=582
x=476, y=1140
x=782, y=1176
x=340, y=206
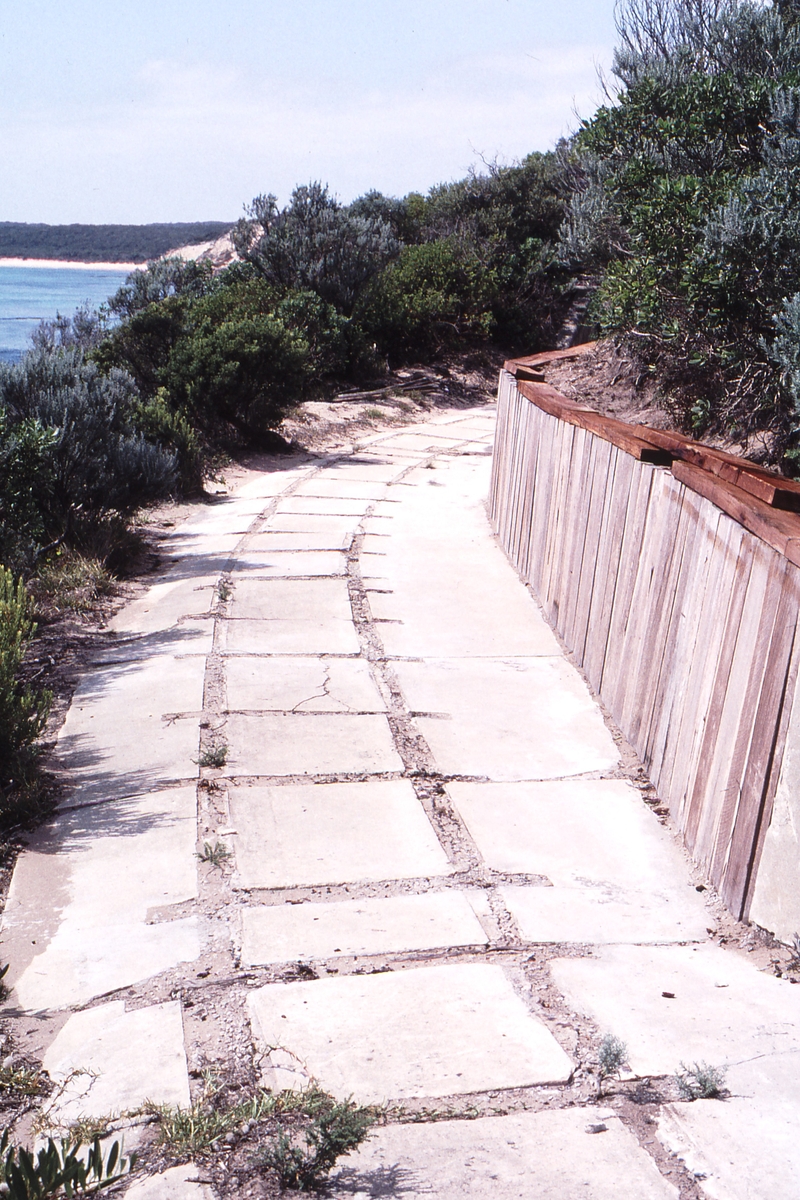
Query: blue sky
x=180, y=110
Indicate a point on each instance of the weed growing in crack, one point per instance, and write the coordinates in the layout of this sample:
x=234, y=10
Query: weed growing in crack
x=611, y=1058
x=794, y=962
x=303, y=1158
x=272, y=1125
x=700, y=1081
x=214, y=756
x=223, y=590
x=216, y=855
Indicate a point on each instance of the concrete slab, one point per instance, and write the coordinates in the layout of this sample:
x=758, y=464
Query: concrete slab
x=116, y=711
x=271, y=540
x=578, y=832
x=541, y=1156
x=435, y=1031
x=339, y=506
x=602, y=915
x=224, y=517
x=294, y=616
x=110, y=1061
x=176, y=1183
x=76, y=920
x=313, y=526
x=745, y=1147
x=315, y=600
x=297, y=637
x=303, y=834
x=302, y=685
x=268, y=484
x=310, y=743
x=289, y=932
x=165, y=604
x=287, y=564
x=718, y=1008
x=337, y=487
x=511, y=719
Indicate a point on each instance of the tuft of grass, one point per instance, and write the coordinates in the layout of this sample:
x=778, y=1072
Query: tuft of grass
x=70, y=582
x=216, y=855
x=700, y=1081
x=223, y=590
x=374, y=414
x=214, y=756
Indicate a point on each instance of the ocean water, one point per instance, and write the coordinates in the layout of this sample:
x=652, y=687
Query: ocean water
x=29, y=295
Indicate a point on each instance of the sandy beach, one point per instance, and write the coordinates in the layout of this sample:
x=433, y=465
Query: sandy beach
x=60, y=263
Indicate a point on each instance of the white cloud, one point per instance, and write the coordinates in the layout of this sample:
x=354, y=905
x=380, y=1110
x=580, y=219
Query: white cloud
x=193, y=142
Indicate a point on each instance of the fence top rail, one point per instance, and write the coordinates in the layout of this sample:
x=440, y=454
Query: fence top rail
x=765, y=503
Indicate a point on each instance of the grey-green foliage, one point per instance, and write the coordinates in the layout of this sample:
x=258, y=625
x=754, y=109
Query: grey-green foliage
x=670, y=40
x=611, y=1056
x=700, y=1081
x=59, y=1169
x=161, y=279
x=98, y=461
x=23, y=712
x=303, y=1161
x=315, y=243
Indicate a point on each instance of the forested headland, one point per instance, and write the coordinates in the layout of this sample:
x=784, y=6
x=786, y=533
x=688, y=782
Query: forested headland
x=676, y=207
x=104, y=243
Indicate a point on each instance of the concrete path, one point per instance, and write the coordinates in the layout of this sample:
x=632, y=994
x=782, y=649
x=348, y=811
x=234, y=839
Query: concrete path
x=337, y=795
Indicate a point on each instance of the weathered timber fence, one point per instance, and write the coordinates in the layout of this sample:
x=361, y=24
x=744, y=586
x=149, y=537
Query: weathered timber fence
x=671, y=572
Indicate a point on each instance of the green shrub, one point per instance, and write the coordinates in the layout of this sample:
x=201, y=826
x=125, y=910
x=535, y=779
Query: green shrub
x=59, y=1169
x=26, y=484
x=23, y=713
x=435, y=296
x=303, y=1161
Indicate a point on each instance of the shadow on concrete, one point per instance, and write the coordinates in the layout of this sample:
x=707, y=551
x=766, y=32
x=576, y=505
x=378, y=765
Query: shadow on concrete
x=382, y=1182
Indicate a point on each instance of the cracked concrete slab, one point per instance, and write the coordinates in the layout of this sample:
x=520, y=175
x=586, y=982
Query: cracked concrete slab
x=116, y=712
x=288, y=933
x=508, y=719
x=744, y=1147
x=299, y=834
x=425, y=1032
x=107, y=1061
x=541, y=1156
x=76, y=922
x=310, y=743
x=305, y=684
x=674, y=1004
x=339, y=506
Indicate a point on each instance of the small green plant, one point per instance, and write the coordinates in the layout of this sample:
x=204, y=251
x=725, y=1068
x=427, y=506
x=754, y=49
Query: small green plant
x=215, y=854
x=374, y=414
x=22, y=712
x=214, y=756
x=611, y=1058
x=223, y=590
x=303, y=1159
x=794, y=962
x=59, y=1169
x=700, y=1081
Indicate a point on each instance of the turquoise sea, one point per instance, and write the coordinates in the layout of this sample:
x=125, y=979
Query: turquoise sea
x=29, y=295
